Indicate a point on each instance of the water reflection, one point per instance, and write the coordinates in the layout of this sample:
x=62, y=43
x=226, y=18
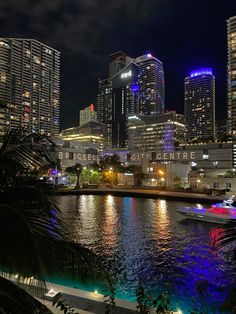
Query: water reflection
x=163, y=220
x=148, y=244
x=109, y=225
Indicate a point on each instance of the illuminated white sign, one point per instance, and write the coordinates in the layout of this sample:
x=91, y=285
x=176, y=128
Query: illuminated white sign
x=165, y=156
x=126, y=74
x=77, y=156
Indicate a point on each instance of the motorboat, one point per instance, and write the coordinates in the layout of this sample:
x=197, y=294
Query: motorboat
x=221, y=213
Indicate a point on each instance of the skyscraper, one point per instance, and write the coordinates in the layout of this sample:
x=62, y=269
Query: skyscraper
x=124, y=102
x=104, y=108
x=151, y=85
x=133, y=86
x=87, y=114
x=29, y=86
x=232, y=75
x=200, y=104
x=107, y=111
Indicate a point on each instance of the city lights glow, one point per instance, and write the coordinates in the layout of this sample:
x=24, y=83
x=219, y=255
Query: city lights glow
x=134, y=87
x=202, y=71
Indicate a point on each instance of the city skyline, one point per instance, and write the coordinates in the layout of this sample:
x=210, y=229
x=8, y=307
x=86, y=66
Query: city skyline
x=171, y=31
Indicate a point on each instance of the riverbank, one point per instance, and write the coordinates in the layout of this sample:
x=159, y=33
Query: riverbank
x=144, y=192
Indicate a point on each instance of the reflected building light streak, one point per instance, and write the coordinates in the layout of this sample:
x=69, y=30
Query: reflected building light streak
x=109, y=228
x=87, y=226
x=163, y=220
x=110, y=200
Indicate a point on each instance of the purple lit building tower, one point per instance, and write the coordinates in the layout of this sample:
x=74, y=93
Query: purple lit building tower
x=199, y=105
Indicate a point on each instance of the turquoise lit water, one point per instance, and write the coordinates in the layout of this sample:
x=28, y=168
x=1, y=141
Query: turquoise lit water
x=148, y=244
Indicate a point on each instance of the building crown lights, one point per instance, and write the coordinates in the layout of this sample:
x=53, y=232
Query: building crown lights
x=201, y=72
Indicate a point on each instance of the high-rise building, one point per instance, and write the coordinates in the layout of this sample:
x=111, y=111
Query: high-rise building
x=232, y=75
x=87, y=114
x=107, y=112
x=133, y=86
x=104, y=108
x=151, y=85
x=200, y=105
x=124, y=102
x=29, y=86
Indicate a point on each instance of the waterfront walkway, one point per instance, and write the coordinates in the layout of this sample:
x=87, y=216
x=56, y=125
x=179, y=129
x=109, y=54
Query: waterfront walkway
x=144, y=192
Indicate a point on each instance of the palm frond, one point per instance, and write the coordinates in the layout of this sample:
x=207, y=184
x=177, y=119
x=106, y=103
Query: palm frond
x=21, y=152
x=33, y=237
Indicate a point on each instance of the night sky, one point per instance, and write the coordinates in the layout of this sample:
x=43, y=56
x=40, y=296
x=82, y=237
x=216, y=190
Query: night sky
x=183, y=34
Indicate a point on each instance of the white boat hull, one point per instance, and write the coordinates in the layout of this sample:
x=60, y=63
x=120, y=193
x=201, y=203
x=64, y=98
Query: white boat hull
x=207, y=218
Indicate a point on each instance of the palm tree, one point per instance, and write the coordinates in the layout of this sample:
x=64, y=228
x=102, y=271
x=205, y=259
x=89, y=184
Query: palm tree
x=33, y=238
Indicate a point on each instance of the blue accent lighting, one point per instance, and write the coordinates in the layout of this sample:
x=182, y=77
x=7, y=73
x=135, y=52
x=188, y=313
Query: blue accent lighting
x=202, y=71
x=134, y=87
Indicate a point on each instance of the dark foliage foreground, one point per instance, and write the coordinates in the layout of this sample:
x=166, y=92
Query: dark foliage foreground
x=33, y=238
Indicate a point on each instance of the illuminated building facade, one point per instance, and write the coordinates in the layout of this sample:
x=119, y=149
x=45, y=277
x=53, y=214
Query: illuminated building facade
x=29, y=86
x=104, y=109
x=151, y=85
x=200, y=105
x=149, y=133
x=90, y=132
x=124, y=102
x=87, y=114
x=134, y=86
x=232, y=75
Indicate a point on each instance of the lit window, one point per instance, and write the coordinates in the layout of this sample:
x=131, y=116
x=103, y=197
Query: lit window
x=3, y=77
x=36, y=60
x=26, y=94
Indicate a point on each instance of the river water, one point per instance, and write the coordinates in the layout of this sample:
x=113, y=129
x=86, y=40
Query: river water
x=150, y=245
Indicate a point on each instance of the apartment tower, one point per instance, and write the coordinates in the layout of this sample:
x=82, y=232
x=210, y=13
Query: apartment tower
x=232, y=75
x=200, y=105
x=29, y=86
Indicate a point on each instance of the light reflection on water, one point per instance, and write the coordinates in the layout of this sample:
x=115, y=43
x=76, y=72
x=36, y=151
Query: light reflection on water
x=149, y=245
